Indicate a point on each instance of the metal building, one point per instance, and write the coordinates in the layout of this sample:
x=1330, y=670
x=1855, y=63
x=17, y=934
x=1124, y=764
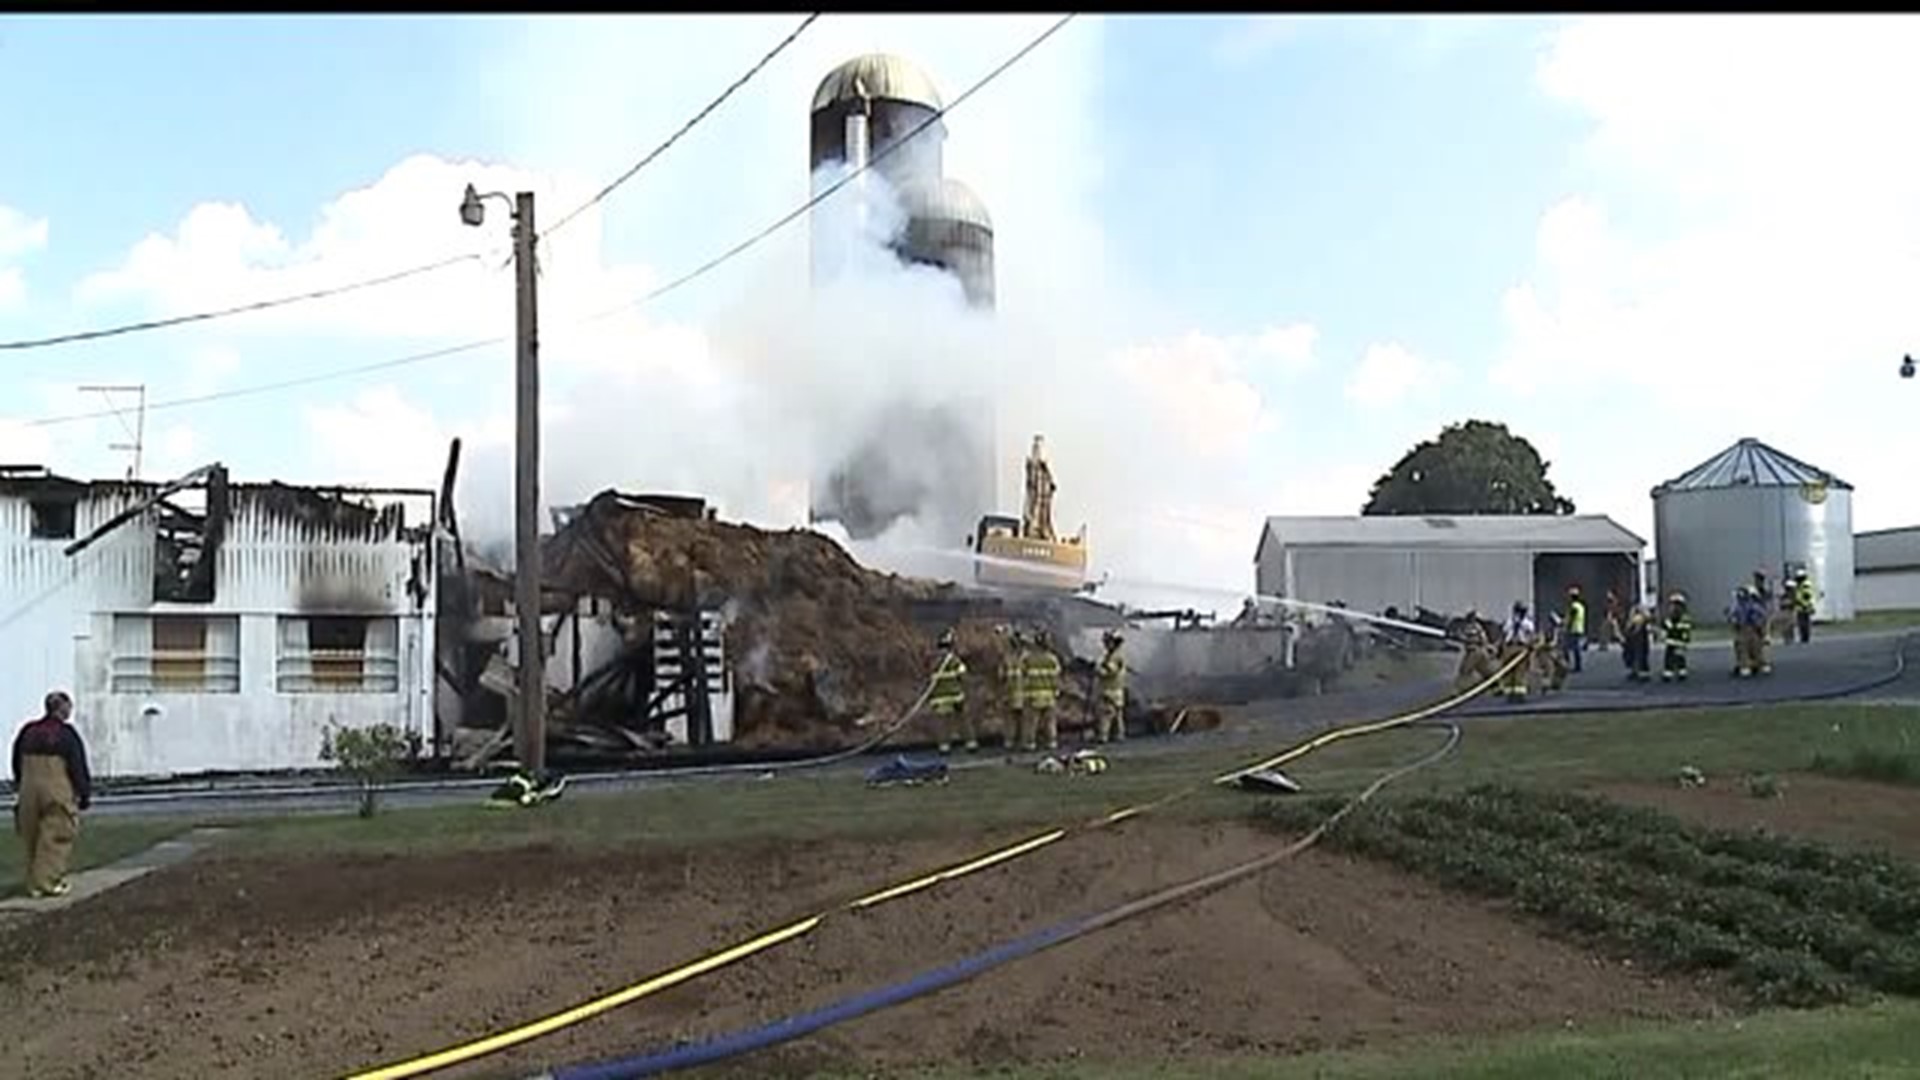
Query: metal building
x=934, y=464
x=1447, y=564
x=1886, y=570
x=1751, y=507
x=206, y=626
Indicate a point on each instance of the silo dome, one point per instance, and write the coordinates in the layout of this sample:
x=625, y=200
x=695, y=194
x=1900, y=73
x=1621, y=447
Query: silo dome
x=882, y=76
x=949, y=200
x=1751, y=507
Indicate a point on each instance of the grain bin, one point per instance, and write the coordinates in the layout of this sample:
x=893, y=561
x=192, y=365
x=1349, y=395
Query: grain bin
x=1751, y=507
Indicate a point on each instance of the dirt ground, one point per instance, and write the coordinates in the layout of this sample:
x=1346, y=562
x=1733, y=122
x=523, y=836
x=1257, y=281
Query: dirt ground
x=1850, y=813
x=235, y=968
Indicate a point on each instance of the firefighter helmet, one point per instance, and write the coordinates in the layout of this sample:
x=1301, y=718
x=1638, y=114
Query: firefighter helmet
x=946, y=639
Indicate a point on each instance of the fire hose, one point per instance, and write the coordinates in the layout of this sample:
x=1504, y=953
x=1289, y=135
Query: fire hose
x=740, y=1043
x=666, y=980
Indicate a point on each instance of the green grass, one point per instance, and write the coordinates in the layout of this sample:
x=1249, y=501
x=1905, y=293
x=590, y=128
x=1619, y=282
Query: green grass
x=101, y=842
x=1556, y=750
x=1865, y=1043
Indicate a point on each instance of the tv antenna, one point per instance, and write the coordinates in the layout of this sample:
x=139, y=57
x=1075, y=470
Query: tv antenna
x=136, y=431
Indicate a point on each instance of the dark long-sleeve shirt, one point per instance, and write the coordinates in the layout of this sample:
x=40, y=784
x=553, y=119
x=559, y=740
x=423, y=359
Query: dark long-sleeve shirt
x=56, y=738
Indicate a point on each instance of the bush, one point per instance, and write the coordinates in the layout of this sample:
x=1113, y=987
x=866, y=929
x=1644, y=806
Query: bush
x=371, y=755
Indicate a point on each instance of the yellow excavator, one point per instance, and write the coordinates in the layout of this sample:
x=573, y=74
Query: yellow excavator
x=1025, y=552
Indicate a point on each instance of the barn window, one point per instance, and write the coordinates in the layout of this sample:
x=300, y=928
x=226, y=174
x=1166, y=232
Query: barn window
x=176, y=654
x=338, y=654
x=53, y=519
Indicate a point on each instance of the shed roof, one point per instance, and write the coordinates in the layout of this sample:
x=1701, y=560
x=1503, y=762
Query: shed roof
x=1750, y=463
x=1887, y=549
x=1524, y=532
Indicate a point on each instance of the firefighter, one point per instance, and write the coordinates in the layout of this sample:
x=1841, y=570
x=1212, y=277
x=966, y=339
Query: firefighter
x=1042, y=673
x=1575, y=647
x=1749, y=634
x=1677, y=628
x=1613, y=622
x=1637, y=644
x=1550, y=659
x=1803, y=606
x=947, y=697
x=1013, y=679
x=1476, y=655
x=54, y=784
x=1516, y=649
x=1112, y=717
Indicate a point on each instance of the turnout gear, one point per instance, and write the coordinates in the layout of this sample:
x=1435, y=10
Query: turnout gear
x=1749, y=618
x=1550, y=660
x=1803, y=599
x=947, y=698
x=54, y=783
x=1013, y=678
x=1678, y=630
x=1637, y=644
x=1042, y=674
x=1477, y=661
x=1112, y=674
x=1517, y=645
x=525, y=790
x=1613, y=622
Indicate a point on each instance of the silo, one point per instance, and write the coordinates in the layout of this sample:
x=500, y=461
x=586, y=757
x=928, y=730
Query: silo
x=887, y=98
x=932, y=463
x=949, y=227
x=1751, y=507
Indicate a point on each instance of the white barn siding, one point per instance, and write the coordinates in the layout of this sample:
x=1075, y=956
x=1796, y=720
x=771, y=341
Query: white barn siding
x=231, y=685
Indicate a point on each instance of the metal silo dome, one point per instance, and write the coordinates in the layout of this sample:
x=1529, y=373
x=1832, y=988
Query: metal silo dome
x=877, y=76
x=1751, y=507
x=949, y=201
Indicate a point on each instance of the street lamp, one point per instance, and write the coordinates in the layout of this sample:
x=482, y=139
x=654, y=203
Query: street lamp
x=1906, y=366
x=532, y=730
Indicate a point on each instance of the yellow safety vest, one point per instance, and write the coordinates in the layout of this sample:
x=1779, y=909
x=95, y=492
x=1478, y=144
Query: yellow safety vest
x=1577, y=617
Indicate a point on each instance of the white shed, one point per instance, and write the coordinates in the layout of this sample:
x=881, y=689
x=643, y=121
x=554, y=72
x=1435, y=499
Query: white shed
x=1447, y=564
x=1886, y=570
x=215, y=627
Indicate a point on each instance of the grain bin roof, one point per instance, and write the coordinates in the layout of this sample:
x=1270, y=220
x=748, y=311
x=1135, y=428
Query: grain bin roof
x=1750, y=463
x=879, y=75
x=1526, y=532
x=946, y=200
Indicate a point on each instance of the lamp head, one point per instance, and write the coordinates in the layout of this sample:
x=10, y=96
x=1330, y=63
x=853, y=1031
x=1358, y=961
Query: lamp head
x=1906, y=367
x=472, y=211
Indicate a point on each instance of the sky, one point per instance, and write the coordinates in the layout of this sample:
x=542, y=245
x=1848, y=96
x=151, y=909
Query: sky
x=1247, y=261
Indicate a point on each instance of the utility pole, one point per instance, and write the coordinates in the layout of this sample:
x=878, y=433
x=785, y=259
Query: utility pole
x=531, y=730
x=526, y=489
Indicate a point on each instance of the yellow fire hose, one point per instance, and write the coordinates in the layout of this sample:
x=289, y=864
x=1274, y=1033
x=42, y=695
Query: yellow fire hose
x=492, y=1044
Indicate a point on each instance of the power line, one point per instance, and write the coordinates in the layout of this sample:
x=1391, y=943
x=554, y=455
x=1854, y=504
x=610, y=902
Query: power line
x=743, y=80
x=697, y=272
x=285, y=384
x=241, y=309
x=828, y=192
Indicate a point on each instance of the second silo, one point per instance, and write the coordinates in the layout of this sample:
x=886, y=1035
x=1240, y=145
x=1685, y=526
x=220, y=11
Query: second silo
x=1751, y=507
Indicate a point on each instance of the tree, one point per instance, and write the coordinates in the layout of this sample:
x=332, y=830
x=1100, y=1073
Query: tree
x=371, y=755
x=1473, y=468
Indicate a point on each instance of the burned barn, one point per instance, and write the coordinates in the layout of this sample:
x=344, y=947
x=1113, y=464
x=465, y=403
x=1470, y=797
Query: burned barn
x=205, y=625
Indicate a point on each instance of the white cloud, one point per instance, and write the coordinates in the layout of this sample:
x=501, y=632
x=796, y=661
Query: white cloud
x=19, y=236
x=1743, y=260
x=1387, y=373
x=1206, y=387
x=220, y=256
